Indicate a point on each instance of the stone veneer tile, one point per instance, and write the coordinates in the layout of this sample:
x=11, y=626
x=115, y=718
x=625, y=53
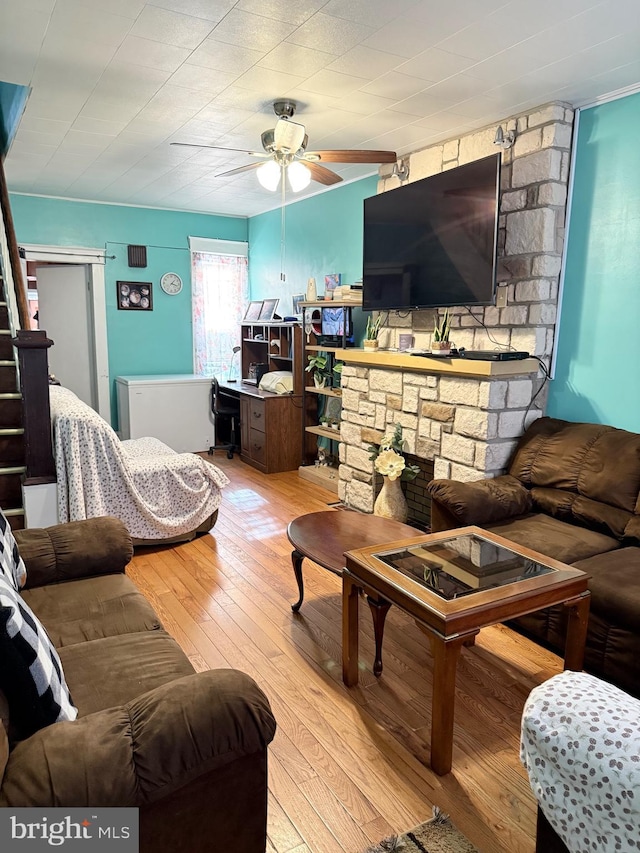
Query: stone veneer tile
x=386, y=380
x=459, y=390
x=531, y=231
x=437, y=411
x=510, y=424
x=458, y=449
x=410, y=399
x=476, y=423
x=465, y=474
x=441, y=469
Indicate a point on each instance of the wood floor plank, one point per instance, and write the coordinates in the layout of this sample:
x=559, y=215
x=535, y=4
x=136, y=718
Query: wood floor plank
x=347, y=767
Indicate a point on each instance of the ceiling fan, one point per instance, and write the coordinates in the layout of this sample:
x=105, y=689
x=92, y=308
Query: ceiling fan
x=285, y=149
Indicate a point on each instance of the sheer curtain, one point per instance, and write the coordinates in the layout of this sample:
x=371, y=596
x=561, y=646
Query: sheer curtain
x=220, y=292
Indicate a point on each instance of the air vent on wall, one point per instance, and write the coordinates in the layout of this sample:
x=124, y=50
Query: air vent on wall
x=137, y=256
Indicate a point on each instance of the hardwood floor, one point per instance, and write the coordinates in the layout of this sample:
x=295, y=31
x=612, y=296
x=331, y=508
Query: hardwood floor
x=347, y=766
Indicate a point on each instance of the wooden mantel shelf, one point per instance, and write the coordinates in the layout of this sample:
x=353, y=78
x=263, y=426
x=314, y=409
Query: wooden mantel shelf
x=385, y=359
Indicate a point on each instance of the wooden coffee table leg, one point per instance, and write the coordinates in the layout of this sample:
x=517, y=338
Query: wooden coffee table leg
x=379, y=609
x=576, y=631
x=350, y=599
x=445, y=662
x=296, y=560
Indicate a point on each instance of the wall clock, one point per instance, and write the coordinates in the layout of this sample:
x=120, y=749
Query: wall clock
x=171, y=283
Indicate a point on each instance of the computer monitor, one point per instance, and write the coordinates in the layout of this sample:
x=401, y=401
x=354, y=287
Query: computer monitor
x=336, y=326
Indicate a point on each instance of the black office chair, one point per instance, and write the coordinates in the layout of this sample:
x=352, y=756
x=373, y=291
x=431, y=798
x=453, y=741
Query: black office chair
x=225, y=407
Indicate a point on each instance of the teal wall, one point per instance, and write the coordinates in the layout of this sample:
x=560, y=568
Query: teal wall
x=599, y=339
x=139, y=342
x=323, y=235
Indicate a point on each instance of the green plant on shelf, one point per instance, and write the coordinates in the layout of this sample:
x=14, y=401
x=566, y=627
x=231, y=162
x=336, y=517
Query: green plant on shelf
x=373, y=327
x=442, y=327
x=319, y=367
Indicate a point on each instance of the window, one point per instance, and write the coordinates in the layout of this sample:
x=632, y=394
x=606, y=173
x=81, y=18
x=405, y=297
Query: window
x=220, y=292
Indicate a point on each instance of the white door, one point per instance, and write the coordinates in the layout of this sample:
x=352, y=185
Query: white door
x=64, y=313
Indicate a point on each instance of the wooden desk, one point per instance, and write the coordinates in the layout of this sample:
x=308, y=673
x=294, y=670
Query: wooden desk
x=270, y=427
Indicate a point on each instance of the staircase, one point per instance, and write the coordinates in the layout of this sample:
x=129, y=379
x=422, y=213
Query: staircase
x=12, y=466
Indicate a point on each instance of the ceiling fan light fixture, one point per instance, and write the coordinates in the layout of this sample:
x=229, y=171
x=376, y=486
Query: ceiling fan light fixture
x=299, y=176
x=269, y=175
x=288, y=135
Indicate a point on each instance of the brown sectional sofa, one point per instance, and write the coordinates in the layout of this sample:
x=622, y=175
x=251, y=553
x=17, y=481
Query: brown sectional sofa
x=189, y=749
x=572, y=493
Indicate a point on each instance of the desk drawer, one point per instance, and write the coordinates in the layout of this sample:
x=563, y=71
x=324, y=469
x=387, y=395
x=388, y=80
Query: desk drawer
x=257, y=415
x=257, y=446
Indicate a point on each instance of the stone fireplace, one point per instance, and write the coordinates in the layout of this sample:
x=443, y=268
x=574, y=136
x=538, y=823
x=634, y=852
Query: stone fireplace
x=465, y=418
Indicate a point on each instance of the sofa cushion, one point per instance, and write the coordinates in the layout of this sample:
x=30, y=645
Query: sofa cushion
x=570, y=506
x=11, y=564
x=114, y=670
x=615, y=586
x=600, y=463
x=31, y=674
x=90, y=609
x=565, y=542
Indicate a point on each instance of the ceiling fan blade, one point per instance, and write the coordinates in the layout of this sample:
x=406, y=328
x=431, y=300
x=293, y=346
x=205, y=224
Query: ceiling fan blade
x=322, y=175
x=352, y=156
x=239, y=170
x=219, y=148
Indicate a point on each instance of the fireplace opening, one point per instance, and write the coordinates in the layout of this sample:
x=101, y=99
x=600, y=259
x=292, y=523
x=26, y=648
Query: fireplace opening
x=415, y=491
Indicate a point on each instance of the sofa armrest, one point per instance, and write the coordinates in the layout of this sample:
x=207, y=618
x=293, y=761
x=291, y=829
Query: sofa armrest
x=95, y=546
x=145, y=750
x=457, y=504
x=580, y=745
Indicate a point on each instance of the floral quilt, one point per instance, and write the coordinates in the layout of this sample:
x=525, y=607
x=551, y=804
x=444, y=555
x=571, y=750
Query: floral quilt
x=155, y=491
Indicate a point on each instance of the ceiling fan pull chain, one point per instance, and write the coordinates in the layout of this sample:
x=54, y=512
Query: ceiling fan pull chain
x=283, y=228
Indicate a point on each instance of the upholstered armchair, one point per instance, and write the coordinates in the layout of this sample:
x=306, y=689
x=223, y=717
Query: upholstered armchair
x=580, y=744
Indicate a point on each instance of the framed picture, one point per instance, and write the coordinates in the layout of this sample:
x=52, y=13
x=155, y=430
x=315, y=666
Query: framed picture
x=253, y=312
x=268, y=309
x=296, y=300
x=331, y=281
x=135, y=295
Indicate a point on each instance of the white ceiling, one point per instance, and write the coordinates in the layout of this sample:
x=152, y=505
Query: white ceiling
x=114, y=81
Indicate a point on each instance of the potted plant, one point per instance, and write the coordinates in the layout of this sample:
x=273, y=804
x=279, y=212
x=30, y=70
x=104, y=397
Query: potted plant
x=371, y=332
x=440, y=344
x=318, y=366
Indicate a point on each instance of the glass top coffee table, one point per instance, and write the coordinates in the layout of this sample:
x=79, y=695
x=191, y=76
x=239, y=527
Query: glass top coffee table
x=453, y=584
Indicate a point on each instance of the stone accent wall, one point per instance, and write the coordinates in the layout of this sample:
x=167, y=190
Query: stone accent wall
x=531, y=232
x=469, y=426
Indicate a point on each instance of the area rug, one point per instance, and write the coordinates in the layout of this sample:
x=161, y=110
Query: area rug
x=437, y=835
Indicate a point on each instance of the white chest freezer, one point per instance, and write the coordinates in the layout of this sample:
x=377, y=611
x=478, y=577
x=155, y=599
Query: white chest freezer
x=176, y=408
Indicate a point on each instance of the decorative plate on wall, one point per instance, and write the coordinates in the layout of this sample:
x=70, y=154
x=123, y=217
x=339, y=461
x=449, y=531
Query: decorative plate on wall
x=171, y=283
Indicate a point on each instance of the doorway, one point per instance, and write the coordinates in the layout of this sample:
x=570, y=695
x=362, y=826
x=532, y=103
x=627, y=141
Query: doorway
x=64, y=313
x=71, y=309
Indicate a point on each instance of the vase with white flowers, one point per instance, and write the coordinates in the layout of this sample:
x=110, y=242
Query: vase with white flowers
x=388, y=460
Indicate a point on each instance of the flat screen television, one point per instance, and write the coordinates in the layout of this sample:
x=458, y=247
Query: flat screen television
x=432, y=243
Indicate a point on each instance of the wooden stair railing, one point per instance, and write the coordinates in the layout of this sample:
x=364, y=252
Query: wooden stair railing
x=32, y=349
x=25, y=425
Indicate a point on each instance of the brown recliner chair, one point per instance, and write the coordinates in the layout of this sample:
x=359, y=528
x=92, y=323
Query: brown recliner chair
x=188, y=749
x=571, y=492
